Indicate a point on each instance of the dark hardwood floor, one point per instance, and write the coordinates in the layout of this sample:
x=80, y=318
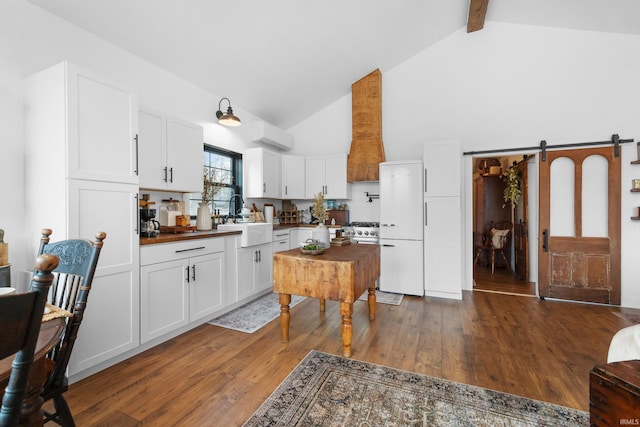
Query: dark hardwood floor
x=501, y=280
x=212, y=376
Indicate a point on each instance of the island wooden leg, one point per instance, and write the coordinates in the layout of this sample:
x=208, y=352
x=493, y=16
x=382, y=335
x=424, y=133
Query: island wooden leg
x=323, y=305
x=372, y=301
x=346, y=309
x=285, y=316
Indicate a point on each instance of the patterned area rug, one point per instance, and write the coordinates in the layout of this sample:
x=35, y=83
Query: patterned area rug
x=255, y=314
x=383, y=297
x=329, y=390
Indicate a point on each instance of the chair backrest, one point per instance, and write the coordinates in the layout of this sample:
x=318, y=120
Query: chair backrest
x=500, y=234
x=21, y=317
x=70, y=289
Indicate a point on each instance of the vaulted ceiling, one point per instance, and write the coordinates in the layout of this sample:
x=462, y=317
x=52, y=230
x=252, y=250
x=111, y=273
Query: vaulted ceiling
x=284, y=60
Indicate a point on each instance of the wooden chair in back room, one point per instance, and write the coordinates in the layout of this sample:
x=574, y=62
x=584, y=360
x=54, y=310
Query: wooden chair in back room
x=69, y=291
x=21, y=317
x=497, y=241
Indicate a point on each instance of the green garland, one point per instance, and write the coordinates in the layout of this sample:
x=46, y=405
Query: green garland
x=513, y=190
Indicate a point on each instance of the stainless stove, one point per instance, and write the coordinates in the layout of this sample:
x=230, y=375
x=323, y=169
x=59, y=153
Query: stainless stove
x=363, y=232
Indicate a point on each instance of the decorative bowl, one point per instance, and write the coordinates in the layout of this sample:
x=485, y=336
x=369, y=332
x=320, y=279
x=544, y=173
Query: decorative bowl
x=311, y=247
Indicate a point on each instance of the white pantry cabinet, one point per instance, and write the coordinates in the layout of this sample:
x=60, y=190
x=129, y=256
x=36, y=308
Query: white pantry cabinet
x=180, y=283
x=80, y=179
x=170, y=153
x=443, y=226
x=261, y=173
x=327, y=175
x=442, y=167
x=293, y=177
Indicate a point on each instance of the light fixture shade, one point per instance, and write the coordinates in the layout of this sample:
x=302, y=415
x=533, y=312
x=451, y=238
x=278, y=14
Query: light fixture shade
x=227, y=119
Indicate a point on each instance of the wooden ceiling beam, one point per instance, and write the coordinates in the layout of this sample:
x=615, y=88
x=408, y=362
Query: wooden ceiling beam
x=477, y=12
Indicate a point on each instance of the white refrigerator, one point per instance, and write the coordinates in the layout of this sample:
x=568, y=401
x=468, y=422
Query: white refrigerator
x=401, y=227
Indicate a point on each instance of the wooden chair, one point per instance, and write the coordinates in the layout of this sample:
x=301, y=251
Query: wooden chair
x=21, y=317
x=69, y=291
x=497, y=238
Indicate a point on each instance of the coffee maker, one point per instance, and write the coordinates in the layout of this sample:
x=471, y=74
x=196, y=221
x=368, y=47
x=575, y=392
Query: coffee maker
x=149, y=227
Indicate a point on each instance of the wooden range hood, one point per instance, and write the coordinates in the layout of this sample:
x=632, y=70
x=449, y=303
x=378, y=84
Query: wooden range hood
x=367, y=150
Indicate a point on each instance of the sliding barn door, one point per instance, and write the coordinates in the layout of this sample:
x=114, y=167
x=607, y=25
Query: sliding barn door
x=579, y=256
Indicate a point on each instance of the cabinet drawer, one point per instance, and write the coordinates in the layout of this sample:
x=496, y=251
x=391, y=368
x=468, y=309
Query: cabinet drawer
x=152, y=254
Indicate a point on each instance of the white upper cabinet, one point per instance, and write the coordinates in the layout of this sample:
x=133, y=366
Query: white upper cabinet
x=88, y=119
x=327, y=175
x=442, y=168
x=170, y=153
x=261, y=173
x=293, y=177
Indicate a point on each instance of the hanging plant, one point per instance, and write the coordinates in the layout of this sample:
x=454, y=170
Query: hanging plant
x=513, y=190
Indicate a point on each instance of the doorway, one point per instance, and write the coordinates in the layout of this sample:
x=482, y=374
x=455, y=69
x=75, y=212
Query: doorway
x=490, y=271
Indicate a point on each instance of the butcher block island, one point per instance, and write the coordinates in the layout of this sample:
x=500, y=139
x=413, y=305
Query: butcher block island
x=340, y=273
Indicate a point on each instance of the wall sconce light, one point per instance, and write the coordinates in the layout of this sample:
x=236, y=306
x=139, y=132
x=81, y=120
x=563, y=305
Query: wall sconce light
x=227, y=119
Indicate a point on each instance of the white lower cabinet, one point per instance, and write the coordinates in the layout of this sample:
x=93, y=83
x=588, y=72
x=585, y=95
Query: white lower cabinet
x=180, y=283
x=254, y=269
x=280, y=240
x=299, y=235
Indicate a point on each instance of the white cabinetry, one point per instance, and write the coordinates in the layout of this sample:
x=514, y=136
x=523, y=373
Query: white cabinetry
x=327, y=175
x=80, y=179
x=180, y=283
x=170, y=155
x=443, y=227
x=261, y=173
x=280, y=240
x=293, y=177
x=299, y=235
x=442, y=169
x=254, y=269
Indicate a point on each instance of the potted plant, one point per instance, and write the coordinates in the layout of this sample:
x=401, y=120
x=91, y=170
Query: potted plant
x=319, y=211
x=209, y=189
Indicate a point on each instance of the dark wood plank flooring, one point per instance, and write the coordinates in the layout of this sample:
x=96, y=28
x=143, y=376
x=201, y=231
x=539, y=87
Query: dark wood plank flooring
x=501, y=280
x=213, y=376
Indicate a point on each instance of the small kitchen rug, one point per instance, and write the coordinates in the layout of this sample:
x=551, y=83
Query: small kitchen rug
x=384, y=297
x=329, y=390
x=255, y=314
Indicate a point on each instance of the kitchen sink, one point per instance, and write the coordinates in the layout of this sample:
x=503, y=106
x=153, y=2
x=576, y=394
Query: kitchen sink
x=253, y=233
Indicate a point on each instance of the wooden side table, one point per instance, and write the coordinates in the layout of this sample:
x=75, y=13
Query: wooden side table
x=614, y=394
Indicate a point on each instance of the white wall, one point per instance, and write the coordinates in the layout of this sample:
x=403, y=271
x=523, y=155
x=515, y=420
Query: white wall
x=510, y=86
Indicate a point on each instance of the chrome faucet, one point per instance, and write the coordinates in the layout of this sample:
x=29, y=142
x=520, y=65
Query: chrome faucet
x=235, y=205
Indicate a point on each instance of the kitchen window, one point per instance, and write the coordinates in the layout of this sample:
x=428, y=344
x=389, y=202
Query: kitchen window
x=226, y=169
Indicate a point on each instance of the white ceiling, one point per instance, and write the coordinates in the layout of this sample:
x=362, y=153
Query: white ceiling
x=284, y=60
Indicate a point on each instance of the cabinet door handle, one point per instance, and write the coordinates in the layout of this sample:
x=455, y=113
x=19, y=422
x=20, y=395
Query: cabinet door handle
x=137, y=151
x=264, y=187
x=191, y=249
x=193, y=272
x=425, y=180
x=260, y=256
x=388, y=246
x=545, y=240
x=286, y=189
x=425, y=214
x=137, y=214
x=165, y=173
x=187, y=268
x=171, y=175
x=255, y=256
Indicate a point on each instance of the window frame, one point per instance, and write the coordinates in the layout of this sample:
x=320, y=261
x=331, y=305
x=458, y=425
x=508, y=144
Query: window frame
x=236, y=171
